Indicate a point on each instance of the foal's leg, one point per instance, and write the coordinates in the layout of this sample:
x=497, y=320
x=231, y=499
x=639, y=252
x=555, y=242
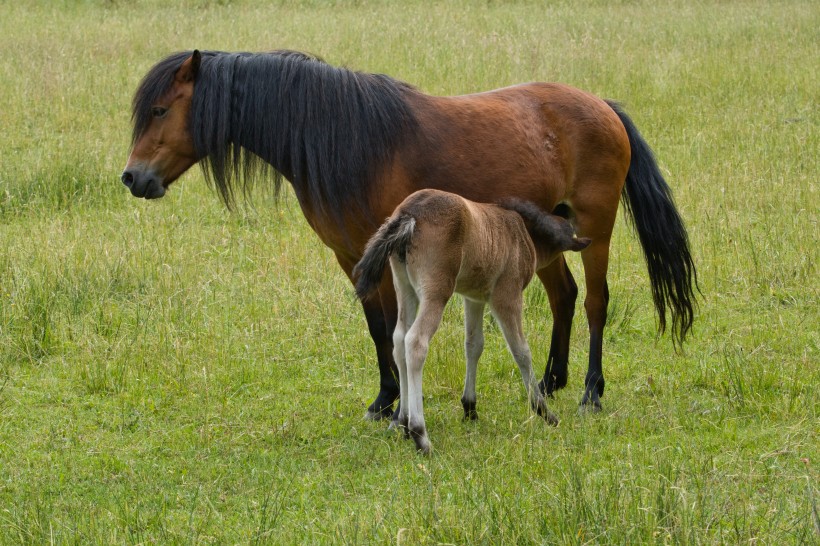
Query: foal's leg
x=562, y=292
x=473, y=347
x=401, y=363
x=407, y=307
x=506, y=307
x=417, y=343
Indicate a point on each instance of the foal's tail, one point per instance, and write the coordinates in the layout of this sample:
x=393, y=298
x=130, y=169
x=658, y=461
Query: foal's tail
x=392, y=238
x=648, y=201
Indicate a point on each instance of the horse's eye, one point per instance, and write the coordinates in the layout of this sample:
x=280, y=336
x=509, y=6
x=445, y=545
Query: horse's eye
x=159, y=111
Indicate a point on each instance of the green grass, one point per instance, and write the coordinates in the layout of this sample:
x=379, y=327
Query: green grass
x=171, y=372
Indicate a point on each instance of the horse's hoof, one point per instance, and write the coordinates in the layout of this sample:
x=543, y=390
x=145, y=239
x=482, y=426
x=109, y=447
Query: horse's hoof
x=371, y=415
x=552, y=384
x=589, y=406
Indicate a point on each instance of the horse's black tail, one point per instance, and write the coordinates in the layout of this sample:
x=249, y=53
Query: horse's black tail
x=648, y=201
x=392, y=238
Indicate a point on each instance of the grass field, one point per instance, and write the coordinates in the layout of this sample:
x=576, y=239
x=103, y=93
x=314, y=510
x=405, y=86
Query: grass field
x=171, y=372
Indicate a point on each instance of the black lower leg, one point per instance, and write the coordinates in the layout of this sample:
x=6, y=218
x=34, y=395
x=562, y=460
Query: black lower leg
x=563, y=293
x=382, y=406
x=594, y=381
x=469, y=409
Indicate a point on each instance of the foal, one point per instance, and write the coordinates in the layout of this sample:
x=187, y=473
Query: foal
x=439, y=243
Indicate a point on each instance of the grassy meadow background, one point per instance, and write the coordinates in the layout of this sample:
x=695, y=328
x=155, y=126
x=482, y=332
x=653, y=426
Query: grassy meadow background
x=171, y=372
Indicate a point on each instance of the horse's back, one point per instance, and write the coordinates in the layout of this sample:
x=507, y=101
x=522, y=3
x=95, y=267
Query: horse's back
x=541, y=142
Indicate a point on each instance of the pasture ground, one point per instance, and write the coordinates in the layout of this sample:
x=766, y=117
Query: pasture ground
x=171, y=372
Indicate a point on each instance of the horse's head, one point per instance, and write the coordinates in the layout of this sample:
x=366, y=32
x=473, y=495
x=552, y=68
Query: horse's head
x=162, y=147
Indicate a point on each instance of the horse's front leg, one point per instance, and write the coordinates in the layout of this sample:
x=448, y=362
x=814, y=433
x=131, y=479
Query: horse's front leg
x=380, y=323
x=562, y=292
x=380, y=313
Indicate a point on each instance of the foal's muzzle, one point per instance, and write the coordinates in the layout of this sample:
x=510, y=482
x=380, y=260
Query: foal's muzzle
x=143, y=184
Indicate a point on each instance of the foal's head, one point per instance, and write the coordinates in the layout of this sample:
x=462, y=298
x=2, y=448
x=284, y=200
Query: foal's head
x=551, y=234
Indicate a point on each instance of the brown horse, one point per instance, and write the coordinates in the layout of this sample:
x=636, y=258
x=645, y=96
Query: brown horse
x=439, y=243
x=354, y=145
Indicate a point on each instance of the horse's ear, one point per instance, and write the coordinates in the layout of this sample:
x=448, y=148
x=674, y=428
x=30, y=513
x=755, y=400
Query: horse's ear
x=188, y=70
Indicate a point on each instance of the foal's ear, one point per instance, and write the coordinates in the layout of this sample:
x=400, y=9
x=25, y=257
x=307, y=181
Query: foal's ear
x=579, y=243
x=188, y=70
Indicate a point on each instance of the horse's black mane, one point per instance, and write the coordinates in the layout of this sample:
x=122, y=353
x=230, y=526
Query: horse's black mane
x=329, y=130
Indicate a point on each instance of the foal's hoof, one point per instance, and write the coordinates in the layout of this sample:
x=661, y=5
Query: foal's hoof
x=548, y=416
x=469, y=410
x=423, y=445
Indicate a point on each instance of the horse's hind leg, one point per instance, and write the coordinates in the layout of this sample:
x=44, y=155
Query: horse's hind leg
x=507, y=311
x=562, y=292
x=596, y=259
x=473, y=347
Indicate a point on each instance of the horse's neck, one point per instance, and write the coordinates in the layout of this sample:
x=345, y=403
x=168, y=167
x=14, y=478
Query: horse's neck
x=278, y=158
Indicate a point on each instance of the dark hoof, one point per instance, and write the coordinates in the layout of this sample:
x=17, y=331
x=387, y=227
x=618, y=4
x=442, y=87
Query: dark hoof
x=382, y=406
x=384, y=413
x=551, y=418
x=593, y=391
x=423, y=445
x=469, y=410
x=543, y=411
x=552, y=383
x=590, y=403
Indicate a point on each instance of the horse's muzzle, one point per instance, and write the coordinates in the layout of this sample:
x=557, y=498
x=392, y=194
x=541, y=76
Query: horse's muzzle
x=142, y=184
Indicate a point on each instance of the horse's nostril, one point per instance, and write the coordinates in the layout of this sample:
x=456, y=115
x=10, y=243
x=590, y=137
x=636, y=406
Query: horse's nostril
x=127, y=179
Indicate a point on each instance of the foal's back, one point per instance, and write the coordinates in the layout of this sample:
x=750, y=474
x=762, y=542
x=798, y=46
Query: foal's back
x=476, y=247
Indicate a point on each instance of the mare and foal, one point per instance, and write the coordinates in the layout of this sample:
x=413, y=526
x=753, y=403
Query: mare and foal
x=353, y=145
x=439, y=243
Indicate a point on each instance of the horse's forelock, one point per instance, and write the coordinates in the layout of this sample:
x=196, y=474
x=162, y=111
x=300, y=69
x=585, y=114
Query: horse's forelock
x=156, y=83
